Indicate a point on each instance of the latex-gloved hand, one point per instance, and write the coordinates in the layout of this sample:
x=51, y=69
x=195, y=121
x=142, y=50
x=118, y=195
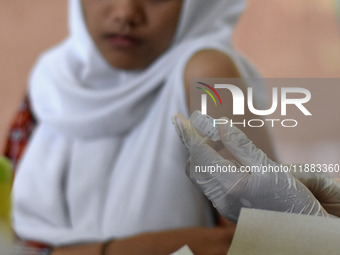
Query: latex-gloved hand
x=324, y=187
x=230, y=191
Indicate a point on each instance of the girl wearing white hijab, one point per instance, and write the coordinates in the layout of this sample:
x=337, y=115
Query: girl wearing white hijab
x=104, y=161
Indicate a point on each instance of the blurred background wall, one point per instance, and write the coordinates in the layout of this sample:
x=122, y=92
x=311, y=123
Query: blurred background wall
x=284, y=39
x=27, y=28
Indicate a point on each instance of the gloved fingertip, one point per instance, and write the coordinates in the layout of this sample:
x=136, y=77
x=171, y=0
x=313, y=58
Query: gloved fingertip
x=174, y=118
x=178, y=118
x=182, y=128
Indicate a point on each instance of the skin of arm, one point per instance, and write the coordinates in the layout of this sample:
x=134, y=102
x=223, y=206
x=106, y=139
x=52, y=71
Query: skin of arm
x=201, y=240
x=216, y=64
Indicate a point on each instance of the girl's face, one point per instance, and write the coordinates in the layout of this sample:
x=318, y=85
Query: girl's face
x=131, y=34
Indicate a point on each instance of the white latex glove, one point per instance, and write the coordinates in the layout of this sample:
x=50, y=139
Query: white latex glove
x=230, y=191
x=325, y=189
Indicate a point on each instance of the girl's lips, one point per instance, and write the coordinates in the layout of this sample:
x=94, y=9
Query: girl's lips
x=122, y=41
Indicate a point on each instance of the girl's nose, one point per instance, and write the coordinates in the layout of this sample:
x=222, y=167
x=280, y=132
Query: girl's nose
x=127, y=13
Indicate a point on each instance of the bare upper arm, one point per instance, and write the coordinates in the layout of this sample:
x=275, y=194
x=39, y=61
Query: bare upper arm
x=215, y=64
x=209, y=64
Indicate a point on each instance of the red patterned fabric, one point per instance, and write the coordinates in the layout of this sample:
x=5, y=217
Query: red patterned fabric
x=20, y=132
x=18, y=137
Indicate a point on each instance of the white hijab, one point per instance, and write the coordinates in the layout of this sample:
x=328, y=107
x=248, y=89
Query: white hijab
x=75, y=69
x=105, y=160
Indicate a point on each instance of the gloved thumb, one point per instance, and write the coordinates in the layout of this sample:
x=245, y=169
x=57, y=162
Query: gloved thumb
x=183, y=128
x=201, y=153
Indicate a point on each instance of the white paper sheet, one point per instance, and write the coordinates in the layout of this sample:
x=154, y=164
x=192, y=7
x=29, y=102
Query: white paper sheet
x=183, y=251
x=261, y=232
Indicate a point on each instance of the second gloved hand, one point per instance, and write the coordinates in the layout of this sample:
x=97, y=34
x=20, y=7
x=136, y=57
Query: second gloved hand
x=324, y=187
x=230, y=191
